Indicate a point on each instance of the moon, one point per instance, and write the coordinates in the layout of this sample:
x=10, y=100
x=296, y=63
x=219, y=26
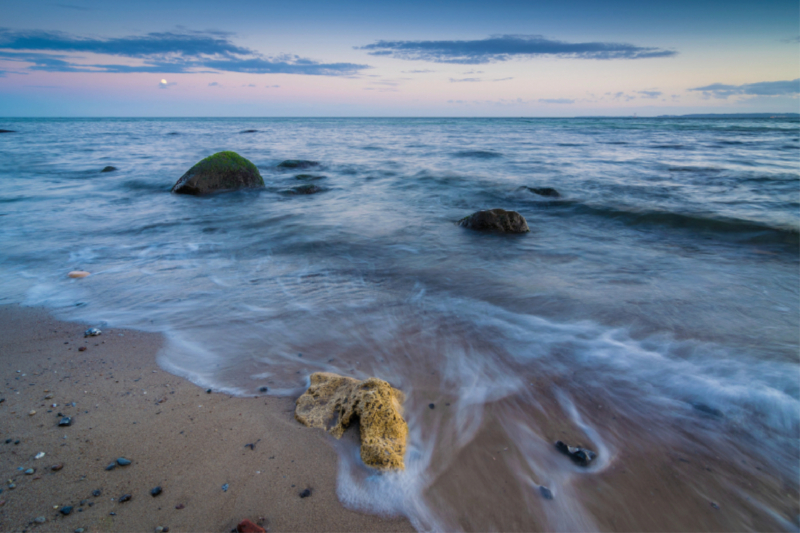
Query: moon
x=163, y=82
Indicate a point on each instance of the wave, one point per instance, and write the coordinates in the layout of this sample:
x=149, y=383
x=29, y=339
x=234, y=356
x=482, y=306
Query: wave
x=478, y=154
x=751, y=230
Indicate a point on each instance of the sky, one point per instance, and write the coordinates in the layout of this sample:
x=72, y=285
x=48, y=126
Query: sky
x=412, y=58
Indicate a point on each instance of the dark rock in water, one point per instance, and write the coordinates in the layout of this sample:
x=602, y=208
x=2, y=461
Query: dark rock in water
x=546, y=493
x=581, y=456
x=496, y=220
x=223, y=171
x=544, y=191
x=155, y=491
x=707, y=409
x=66, y=421
x=125, y=498
x=8, y=131
x=298, y=163
x=263, y=389
x=123, y=462
x=109, y=169
x=248, y=131
x=305, y=189
x=309, y=177
x=305, y=493
x=65, y=510
x=208, y=391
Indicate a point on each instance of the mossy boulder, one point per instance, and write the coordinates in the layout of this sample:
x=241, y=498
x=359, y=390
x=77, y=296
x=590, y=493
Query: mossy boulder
x=332, y=402
x=298, y=163
x=498, y=220
x=223, y=171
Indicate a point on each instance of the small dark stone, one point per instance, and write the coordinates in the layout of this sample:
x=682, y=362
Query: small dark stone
x=83, y=502
x=82, y=349
x=581, y=456
x=546, y=493
x=112, y=514
x=96, y=492
x=714, y=505
x=305, y=493
x=2, y=400
x=225, y=487
x=8, y=441
x=263, y=389
x=208, y=391
x=165, y=530
x=112, y=466
x=155, y=491
x=125, y=498
x=123, y=462
x=248, y=131
x=498, y=220
x=251, y=446
x=431, y=406
x=66, y=421
x=298, y=163
x=16, y=442
x=109, y=169
x=65, y=510
x=180, y=506
x=57, y=467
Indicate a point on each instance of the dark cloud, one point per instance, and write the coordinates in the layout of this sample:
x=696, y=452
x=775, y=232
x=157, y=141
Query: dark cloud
x=166, y=52
x=556, y=100
x=764, y=88
x=505, y=47
x=650, y=94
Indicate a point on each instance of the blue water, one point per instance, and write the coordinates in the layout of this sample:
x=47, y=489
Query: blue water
x=664, y=280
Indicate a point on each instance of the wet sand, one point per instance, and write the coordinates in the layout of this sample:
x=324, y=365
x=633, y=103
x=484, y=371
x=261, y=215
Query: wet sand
x=189, y=442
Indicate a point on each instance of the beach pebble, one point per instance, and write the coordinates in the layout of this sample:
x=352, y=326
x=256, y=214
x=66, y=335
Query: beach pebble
x=66, y=421
x=581, y=456
x=305, y=493
x=39, y=455
x=112, y=466
x=92, y=332
x=431, y=406
x=96, y=492
x=180, y=506
x=65, y=510
x=208, y=391
x=263, y=389
x=31, y=413
x=82, y=349
x=546, y=493
x=30, y=471
x=225, y=487
x=40, y=519
x=48, y=397
x=79, y=530
x=155, y=491
x=78, y=274
x=246, y=526
x=12, y=486
x=57, y=467
x=125, y=498
x=123, y=462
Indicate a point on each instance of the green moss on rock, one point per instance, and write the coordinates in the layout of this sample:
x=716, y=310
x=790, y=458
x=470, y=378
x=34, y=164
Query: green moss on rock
x=223, y=171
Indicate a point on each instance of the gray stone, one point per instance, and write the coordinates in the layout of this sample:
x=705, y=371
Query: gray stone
x=498, y=220
x=223, y=171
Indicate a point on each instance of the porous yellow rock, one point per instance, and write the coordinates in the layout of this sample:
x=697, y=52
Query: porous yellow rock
x=78, y=274
x=333, y=402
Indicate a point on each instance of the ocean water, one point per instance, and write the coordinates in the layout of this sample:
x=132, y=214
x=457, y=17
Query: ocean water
x=652, y=310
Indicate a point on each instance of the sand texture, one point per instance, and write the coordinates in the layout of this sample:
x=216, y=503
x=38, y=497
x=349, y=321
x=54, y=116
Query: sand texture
x=177, y=437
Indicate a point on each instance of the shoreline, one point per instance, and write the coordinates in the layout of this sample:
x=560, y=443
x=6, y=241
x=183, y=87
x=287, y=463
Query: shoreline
x=188, y=442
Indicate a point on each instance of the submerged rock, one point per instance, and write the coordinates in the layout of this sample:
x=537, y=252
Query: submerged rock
x=223, y=171
x=496, y=220
x=333, y=402
x=581, y=456
x=298, y=163
x=309, y=177
x=8, y=131
x=543, y=191
x=304, y=189
x=109, y=169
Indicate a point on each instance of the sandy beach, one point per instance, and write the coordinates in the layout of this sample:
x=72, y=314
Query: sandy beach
x=191, y=443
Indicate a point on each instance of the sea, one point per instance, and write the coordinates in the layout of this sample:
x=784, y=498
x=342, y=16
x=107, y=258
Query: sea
x=650, y=315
